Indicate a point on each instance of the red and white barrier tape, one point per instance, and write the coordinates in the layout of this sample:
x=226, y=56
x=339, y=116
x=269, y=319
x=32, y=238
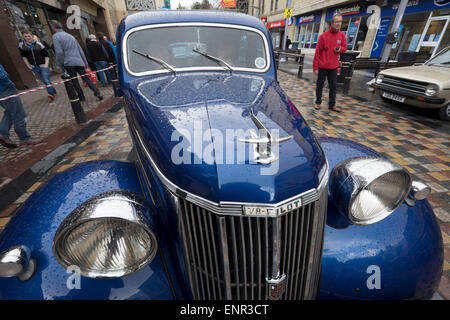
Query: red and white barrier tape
x=52, y=84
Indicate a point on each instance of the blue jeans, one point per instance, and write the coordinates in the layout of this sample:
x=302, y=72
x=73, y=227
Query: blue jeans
x=102, y=65
x=43, y=74
x=14, y=115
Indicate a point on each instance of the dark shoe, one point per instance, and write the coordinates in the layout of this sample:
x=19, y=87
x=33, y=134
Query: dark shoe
x=317, y=106
x=99, y=98
x=51, y=97
x=82, y=99
x=30, y=141
x=7, y=143
x=335, y=109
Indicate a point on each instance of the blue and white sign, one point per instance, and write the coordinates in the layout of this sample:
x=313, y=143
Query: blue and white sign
x=350, y=10
x=413, y=6
x=308, y=18
x=380, y=38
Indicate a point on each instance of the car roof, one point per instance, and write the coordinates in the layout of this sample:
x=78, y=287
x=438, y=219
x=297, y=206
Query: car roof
x=183, y=16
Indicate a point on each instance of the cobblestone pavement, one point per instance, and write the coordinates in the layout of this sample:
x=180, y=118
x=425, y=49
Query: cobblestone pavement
x=425, y=153
x=45, y=117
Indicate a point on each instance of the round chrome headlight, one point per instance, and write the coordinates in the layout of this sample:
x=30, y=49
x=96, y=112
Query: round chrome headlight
x=107, y=236
x=367, y=190
x=380, y=78
x=431, y=90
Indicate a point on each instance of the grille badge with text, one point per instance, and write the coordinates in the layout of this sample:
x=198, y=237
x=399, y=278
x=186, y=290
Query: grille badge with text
x=264, y=211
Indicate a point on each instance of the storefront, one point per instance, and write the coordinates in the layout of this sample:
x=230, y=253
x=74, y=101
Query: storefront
x=425, y=27
x=17, y=15
x=354, y=22
x=34, y=16
x=276, y=29
x=307, y=29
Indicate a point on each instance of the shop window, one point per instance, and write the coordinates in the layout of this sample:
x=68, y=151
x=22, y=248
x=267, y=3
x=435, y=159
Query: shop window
x=445, y=42
x=412, y=27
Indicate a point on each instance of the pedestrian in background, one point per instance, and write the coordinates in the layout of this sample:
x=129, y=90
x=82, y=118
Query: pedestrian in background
x=71, y=59
x=36, y=57
x=113, y=46
x=99, y=57
x=14, y=114
x=331, y=44
x=111, y=57
x=88, y=58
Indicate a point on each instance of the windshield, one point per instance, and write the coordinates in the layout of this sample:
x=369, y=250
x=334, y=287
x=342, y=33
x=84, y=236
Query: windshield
x=442, y=59
x=189, y=47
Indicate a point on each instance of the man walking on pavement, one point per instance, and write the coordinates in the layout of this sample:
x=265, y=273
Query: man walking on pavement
x=36, y=58
x=14, y=114
x=99, y=56
x=331, y=44
x=71, y=59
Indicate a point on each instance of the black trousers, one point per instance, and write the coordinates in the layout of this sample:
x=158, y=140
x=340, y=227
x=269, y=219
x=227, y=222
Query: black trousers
x=331, y=75
x=73, y=71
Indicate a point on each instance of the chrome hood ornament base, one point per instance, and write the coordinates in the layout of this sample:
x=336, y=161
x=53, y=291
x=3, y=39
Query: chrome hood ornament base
x=263, y=142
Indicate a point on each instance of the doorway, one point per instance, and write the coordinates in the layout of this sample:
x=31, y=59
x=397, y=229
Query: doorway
x=435, y=33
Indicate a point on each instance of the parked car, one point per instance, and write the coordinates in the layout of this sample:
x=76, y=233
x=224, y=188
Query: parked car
x=425, y=86
x=229, y=194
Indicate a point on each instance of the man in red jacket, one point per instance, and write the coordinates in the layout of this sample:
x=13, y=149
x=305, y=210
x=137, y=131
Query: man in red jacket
x=331, y=44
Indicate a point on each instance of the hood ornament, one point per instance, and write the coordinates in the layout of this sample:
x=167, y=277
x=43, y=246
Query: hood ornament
x=263, y=142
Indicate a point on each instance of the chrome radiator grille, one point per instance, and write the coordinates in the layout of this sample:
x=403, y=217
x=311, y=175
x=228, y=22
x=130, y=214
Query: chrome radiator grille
x=231, y=257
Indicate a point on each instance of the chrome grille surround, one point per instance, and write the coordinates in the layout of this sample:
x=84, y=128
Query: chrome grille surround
x=414, y=87
x=237, y=256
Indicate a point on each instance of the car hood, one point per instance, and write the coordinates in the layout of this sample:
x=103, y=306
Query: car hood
x=192, y=125
x=424, y=73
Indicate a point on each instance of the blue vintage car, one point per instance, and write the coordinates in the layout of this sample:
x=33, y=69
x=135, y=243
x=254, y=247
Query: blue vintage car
x=229, y=194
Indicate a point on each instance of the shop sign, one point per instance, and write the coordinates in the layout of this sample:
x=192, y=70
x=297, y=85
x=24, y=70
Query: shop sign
x=353, y=10
x=414, y=6
x=276, y=24
x=380, y=38
x=308, y=18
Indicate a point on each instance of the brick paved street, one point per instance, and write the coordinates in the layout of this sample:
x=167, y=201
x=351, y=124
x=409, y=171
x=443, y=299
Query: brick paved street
x=45, y=117
x=420, y=149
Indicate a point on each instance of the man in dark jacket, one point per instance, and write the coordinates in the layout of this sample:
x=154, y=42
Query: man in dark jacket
x=14, y=114
x=36, y=57
x=99, y=56
x=331, y=44
x=107, y=46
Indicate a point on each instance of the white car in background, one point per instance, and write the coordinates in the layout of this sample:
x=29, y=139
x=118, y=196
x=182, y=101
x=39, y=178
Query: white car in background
x=425, y=86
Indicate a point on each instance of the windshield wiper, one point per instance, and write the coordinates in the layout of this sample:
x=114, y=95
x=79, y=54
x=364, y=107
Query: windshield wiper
x=215, y=59
x=161, y=62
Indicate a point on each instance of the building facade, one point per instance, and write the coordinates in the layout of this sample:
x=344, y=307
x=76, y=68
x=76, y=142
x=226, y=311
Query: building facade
x=16, y=15
x=424, y=28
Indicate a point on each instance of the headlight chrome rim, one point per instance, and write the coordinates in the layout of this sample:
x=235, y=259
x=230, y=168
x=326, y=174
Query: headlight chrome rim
x=113, y=212
x=379, y=79
x=352, y=177
x=431, y=90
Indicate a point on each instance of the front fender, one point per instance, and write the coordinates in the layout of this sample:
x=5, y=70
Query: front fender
x=399, y=257
x=35, y=223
